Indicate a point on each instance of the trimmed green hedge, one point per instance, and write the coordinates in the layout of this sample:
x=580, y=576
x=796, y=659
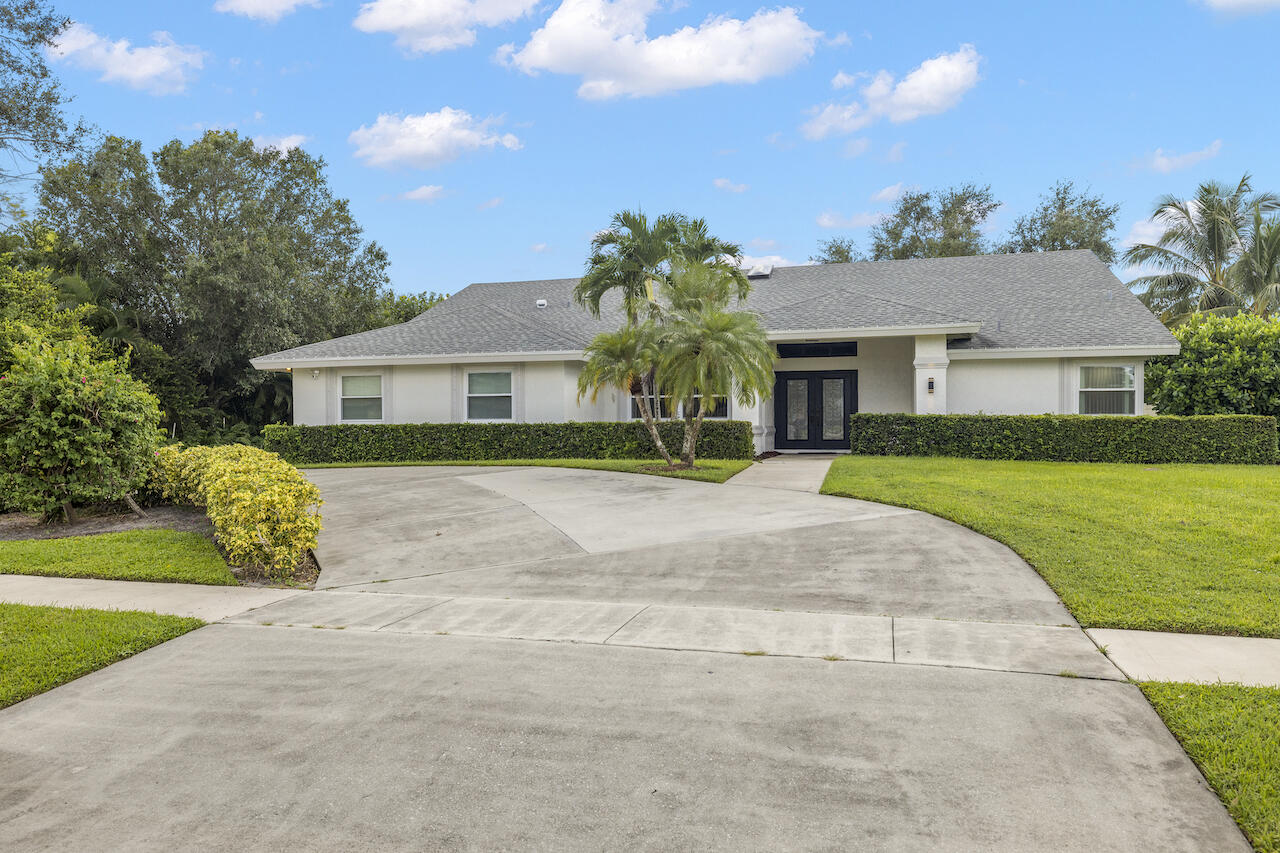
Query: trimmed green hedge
x=435, y=442
x=1248, y=439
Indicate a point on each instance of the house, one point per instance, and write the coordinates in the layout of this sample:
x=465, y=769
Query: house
x=1012, y=334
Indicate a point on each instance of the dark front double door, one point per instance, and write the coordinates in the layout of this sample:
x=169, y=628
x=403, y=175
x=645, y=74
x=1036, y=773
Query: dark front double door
x=812, y=408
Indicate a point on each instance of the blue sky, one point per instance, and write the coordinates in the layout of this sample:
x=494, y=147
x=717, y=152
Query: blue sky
x=483, y=140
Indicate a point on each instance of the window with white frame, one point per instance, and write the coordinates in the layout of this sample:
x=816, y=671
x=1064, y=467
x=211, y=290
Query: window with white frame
x=362, y=398
x=659, y=405
x=489, y=395
x=719, y=410
x=1107, y=389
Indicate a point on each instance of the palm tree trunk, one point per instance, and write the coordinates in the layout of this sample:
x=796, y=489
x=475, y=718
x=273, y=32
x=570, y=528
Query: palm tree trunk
x=646, y=414
x=692, y=426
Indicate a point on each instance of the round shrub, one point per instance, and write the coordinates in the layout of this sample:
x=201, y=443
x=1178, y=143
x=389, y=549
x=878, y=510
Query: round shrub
x=74, y=429
x=265, y=513
x=1228, y=365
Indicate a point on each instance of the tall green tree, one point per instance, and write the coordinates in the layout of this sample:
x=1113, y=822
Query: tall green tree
x=935, y=224
x=220, y=251
x=1066, y=218
x=837, y=250
x=33, y=126
x=1203, y=238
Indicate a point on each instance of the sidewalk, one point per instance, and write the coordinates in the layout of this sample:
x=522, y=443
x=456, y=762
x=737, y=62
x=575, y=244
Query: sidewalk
x=209, y=603
x=1157, y=656
x=798, y=472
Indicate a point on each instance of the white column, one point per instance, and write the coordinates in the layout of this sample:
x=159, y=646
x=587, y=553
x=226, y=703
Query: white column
x=931, y=370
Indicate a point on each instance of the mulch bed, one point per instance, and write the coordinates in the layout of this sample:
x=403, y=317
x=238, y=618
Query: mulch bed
x=107, y=519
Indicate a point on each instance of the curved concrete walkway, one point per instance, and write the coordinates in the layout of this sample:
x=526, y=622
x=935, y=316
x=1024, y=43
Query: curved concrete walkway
x=535, y=658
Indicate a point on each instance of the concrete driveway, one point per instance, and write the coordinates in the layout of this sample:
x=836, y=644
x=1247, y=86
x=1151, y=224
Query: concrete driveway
x=553, y=659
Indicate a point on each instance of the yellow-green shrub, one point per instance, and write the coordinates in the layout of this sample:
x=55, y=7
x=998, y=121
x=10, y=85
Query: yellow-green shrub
x=265, y=514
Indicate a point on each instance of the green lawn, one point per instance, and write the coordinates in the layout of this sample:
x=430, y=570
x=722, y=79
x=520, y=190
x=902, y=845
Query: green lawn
x=1189, y=548
x=1233, y=734
x=706, y=470
x=134, y=555
x=42, y=647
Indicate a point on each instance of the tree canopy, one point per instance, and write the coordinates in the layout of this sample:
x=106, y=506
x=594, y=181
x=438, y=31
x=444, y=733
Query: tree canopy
x=33, y=128
x=953, y=222
x=935, y=224
x=837, y=250
x=1212, y=255
x=1066, y=218
x=218, y=252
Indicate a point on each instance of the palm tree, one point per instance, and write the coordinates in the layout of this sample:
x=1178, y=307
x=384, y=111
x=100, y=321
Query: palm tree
x=624, y=359
x=1257, y=273
x=118, y=326
x=1202, y=240
x=628, y=256
x=695, y=245
x=707, y=352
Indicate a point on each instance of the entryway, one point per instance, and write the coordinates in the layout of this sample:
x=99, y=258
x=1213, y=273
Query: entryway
x=812, y=408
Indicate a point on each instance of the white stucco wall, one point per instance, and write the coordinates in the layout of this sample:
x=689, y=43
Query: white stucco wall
x=1005, y=386
x=1024, y=386
x=547, y=391
x=544, y=383
x=421, y=393
x=309, y=398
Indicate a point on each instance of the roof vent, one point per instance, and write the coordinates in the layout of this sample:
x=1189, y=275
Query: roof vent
x=541, y=303
x=760, y=271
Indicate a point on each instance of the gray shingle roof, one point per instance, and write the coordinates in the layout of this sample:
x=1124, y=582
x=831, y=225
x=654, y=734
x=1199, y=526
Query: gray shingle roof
x=1044, y=300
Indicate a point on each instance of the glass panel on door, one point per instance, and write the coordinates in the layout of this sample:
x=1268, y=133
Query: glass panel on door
x=797, y=410
x=832, y=409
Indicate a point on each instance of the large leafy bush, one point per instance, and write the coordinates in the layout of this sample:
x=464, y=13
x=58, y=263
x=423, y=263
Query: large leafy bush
x=74, y=429
x=435, y=442
x=265, y=513
x=1069, y=438
x=1228, y=365
x=30, y=311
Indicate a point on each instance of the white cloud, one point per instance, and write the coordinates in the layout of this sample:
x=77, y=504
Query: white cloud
x=894, y=154
x=162, y=68
x=934, y=87
x=749, y=261
x=280, y=143
x=729, y=186
x=1242, y=6
x=430, y=26
x=538, y=248
x=606, y=44
x=762, y=244
x=831, y=219
x=1166, y=161
x=426, y=192
x=262, y=10
x=490, y=204
x=843, y=80
x=856, y=147
x=427, y=140
x=1143, y=231
x=890, y=193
